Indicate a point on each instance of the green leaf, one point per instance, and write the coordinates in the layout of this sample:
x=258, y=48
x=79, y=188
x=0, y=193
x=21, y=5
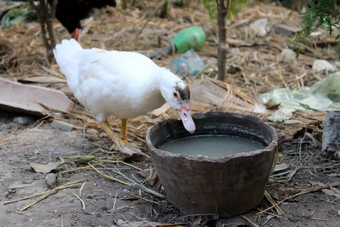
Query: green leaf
x=235, y=7
x=18, y=15
x=321, y=13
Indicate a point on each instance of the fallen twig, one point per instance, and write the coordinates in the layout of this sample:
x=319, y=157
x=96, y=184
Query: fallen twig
x=314, y=189
x=46, y=194
x=271, y=200
x=21, y=199
x=80, y=197
x=141, y=186
x=125, y=163
x=115, y=201
x=62, y=220
x=81, y=200
x=68, y=185
x=109, y=177
x=79, y=169
x=249, y=221
x=120, y=159
x=138, y=197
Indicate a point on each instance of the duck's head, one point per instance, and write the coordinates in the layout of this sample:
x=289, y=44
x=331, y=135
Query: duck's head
x=177, y=94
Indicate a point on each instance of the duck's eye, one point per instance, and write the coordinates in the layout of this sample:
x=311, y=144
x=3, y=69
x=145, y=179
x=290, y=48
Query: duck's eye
x=175, y=95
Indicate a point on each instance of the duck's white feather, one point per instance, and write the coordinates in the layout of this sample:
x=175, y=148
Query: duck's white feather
x=124, y=84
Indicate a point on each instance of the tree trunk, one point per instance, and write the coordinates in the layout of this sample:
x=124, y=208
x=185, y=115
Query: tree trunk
x=45, y=14
x=222, y=10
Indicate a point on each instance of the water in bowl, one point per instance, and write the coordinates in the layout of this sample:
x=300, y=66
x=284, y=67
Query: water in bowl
x=212, y=146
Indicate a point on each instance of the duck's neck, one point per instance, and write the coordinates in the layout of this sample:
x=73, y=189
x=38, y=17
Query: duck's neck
x=165, y=77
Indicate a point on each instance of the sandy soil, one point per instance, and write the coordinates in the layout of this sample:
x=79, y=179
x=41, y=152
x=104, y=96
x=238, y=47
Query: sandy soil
x=110, y=203
x=308, y=194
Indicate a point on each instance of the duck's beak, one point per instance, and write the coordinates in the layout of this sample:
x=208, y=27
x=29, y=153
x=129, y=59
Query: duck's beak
x=185, y=114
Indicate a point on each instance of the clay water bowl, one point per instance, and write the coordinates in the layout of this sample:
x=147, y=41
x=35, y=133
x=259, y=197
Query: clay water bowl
x=226, y=186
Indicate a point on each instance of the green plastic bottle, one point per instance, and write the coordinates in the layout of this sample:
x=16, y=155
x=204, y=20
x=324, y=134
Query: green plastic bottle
x=189, y=38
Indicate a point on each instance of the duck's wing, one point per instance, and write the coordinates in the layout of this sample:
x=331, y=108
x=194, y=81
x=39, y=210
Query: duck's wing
x=120, y=83
x=120, y=64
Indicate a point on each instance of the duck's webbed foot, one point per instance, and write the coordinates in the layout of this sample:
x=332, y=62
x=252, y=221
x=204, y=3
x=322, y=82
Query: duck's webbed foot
x=121, y=144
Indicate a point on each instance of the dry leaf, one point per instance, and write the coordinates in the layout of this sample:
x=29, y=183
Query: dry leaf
x=281, y=167
x=314, y=183
x=331, y=192
x=40, y=168
x=43, y=79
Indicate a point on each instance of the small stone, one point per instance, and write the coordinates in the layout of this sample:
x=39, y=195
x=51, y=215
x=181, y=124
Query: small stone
x=234, y=51
x=322, y=65
x=287, y=55
x=62, y=125
x=36, y=151
x=11, y=190
x=24, y=120
x=285, y=30
x=27, y=180
x=51, y=180
x=259, y=27
x=252, y=75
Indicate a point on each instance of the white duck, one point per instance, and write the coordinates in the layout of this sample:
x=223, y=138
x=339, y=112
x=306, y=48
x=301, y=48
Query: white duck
x=123, y=84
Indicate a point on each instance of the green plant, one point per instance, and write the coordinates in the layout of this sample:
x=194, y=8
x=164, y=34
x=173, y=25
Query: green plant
x=321, y=13
x=18, y=15
x=235, y=6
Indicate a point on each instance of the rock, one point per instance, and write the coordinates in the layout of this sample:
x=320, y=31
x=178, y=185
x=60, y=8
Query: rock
x=331, y=135
x=235, y=52
x=337, y=64
x=287, y=55
x=322, y=65
x=259, y=27
x=24, y=120
x=62, y=125
x=51, y=180
x=281, y=29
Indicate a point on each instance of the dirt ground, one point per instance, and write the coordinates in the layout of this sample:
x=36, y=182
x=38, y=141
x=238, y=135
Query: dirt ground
x=306, y=194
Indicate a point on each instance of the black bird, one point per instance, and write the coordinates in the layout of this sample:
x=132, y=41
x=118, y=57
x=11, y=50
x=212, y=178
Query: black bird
x=70, y=12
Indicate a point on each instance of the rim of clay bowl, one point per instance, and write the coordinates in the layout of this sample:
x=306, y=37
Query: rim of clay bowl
x=269, y=148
